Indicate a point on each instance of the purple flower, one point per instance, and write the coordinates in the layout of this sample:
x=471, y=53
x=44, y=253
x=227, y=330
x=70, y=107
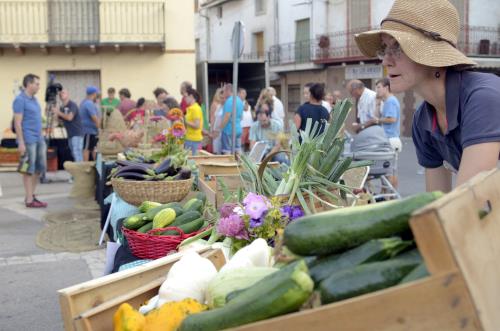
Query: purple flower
x=256, y=205
x=227, y=209
x=292, y=212
x=256, y=222
x=232, y=226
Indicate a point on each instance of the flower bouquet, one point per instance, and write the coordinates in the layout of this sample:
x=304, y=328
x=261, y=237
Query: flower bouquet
x=256, y=217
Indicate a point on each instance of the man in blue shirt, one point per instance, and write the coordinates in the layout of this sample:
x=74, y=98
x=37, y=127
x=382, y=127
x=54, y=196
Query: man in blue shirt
x=30, y=141
x=72, y=122
x=227, y=122
x=90, y=123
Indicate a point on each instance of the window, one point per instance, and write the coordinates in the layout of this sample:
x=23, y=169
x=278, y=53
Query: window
x=219, y=12
x=260, y=7
x=258, y=39
x=293, y=97
x=302, y=41
x=359, y=14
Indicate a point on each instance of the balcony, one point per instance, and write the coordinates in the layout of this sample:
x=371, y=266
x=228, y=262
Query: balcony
x=340, y=47
x=73, y=23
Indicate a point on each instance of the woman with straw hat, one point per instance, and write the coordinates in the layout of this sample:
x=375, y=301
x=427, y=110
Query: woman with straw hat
x=457, y=127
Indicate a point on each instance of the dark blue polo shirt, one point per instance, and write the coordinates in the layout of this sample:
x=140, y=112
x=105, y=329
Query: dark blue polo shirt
x=473, y=115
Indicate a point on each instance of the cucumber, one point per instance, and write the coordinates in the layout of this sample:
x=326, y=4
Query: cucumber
x=193, y=204
x=337, y=230
x=150, y=215
x=134, y=222
x=371, y=251
x=282, y=292
x=146, y=227
x=187, y=217
x=201, y=196
x=364, y=279
x=190, y=227
x=417, y=273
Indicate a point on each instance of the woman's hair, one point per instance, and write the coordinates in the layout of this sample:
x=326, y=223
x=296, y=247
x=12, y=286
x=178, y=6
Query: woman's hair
x=385, y=83
x=269, y=105
x=218, y=95
x=170, y=102
x=140, y=102
x=158, y=91
x=265, y=97
x=191, y=91
x=317, y=91
x=125, y=92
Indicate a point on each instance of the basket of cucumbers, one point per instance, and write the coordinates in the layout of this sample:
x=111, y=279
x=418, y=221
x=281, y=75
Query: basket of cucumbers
x=160, y=228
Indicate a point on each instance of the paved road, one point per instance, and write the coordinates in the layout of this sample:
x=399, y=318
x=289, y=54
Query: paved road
x=31, y=276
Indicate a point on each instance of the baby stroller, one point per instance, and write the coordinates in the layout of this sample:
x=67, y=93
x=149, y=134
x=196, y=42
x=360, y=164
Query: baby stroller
x=371, y=144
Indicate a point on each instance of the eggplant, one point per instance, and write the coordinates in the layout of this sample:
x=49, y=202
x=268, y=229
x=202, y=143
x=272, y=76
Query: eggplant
x=125, y=163
x=131, y=175
x=138, y=168
x=164, y=166
x=172, y=171
x=184, y=173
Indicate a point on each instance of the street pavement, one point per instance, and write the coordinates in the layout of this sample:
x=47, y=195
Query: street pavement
x=31, y=276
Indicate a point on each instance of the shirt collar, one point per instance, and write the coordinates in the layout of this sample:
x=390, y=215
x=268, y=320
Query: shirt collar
x=453, y=80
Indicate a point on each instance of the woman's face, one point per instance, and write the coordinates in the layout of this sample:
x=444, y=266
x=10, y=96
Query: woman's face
x=403, y=73
x=189, y=99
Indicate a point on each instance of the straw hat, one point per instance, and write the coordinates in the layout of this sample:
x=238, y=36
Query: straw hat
x=427, y=32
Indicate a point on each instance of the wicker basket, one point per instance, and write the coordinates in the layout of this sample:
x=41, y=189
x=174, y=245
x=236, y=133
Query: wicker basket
x=135, y=192
x=150, y=246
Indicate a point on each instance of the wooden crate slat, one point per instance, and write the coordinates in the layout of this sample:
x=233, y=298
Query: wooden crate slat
x=432, y=304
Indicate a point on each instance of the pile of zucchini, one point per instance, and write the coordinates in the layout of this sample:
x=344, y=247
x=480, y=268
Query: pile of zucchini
x=354, y=251
x=154, y=215
x=347, y=252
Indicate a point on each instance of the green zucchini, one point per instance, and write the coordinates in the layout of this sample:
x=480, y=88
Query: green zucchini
x=134, y=222
x=146, y=227
x=201, y=196
x=417, y=273
x=190, y=227
x=193, y=204
x=365, y=278
x=187, y=217
x=150, y=215
x=337, y=230
x=371, y=251
x=282, y=292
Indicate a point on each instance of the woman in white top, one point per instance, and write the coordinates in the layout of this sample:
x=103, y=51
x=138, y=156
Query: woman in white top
x=246, y=120
x=216, y=114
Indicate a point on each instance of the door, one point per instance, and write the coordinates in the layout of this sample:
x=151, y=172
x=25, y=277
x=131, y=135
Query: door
x=76, y=82
x=259, y=44
x=302, y=41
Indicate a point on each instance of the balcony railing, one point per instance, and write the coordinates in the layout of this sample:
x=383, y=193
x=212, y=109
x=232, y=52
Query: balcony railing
x=341, y=47
x=82, y=22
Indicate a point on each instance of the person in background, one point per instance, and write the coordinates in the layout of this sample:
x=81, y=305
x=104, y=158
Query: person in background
x=193, y=121
x=126, y=103
x=30, y=141
x=330, y=99
x=456, y=129
x=137, y=114
x=111, y=102
x=167, y=104
x=70, y=116
x=160, y=94
x=90, y=123
x=227, y=122
x=365, y=103
x=306, y=92
x=246, y=120
x=216, y=115
x=183, y=90
x=313, y=109
x=267, y=129
x=278, y=112
x=337, y=96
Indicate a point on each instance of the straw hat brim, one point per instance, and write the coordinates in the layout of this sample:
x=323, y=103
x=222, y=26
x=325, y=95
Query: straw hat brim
x=418, y=48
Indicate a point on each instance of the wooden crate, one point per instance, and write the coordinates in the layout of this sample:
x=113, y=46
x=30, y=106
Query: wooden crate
x=90, y=306
x=461, y=251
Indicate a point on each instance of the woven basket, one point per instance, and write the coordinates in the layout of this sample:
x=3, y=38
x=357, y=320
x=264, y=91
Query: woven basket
x=150, y=246
x=135, y=192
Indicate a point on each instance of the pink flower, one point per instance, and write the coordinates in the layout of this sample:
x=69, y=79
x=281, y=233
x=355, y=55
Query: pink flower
x=256, y=205
x=159, y=138
x=227, y=209
x=232, y=226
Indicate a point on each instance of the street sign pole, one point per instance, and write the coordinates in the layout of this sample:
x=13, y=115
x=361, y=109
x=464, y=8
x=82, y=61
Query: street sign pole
x=238, y=45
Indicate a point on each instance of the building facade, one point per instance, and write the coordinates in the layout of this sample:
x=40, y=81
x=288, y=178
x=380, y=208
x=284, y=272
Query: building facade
x=139, y=45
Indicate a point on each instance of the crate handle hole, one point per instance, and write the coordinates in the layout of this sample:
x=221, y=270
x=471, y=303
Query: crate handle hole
x=486, y=210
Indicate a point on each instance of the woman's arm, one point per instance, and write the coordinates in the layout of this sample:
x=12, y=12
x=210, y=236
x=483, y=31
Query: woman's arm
x=298, y=121
x=478, y=158
x=437, y=179
x=194, y=124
